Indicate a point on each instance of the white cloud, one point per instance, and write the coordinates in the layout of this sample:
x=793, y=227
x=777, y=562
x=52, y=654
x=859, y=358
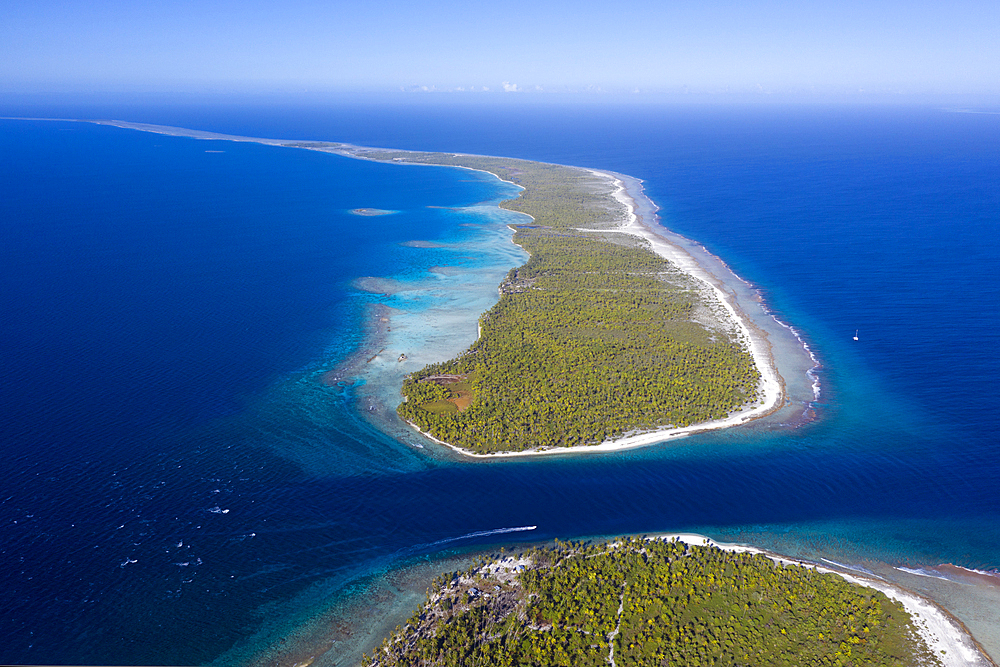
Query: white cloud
x=510, y=87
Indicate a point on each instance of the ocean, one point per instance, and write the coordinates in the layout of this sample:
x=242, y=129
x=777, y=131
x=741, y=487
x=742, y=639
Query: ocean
x=193, y=471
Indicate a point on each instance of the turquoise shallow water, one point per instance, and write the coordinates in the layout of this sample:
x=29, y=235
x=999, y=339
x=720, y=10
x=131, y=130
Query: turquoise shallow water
x=179, y=465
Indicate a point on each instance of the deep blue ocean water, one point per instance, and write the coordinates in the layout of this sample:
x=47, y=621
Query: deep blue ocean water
x=180, y=487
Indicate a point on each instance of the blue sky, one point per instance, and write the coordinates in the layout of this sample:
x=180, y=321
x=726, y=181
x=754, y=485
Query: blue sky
x=523, y=46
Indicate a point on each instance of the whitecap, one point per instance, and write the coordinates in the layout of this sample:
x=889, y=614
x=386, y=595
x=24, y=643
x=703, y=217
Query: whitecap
x=972, y=570
x=854, y=568
x=920, y=572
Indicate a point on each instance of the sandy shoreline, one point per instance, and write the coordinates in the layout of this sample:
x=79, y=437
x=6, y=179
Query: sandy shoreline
x=755, y=341
x=946, y=637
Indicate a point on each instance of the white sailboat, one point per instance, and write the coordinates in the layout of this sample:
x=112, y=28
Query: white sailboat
x=855, y=334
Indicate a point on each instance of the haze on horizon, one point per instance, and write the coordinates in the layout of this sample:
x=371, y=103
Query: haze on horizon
x=783, y=47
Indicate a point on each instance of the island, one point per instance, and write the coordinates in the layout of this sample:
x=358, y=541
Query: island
x=640, y=601
x=606, y=336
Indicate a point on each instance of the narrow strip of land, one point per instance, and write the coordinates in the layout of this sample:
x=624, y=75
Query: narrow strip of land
x=609, y=337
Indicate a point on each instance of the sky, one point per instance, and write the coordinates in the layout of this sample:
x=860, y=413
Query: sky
x=503, y=47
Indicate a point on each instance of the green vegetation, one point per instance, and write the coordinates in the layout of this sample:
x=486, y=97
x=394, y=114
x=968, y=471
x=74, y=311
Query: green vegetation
x=651, y=603
x=595, y=337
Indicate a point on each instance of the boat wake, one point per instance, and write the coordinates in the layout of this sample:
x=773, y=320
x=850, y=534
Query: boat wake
x=469, y=536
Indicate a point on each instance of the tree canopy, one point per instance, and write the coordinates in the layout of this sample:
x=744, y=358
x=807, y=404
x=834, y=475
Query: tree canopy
x=649, y=603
